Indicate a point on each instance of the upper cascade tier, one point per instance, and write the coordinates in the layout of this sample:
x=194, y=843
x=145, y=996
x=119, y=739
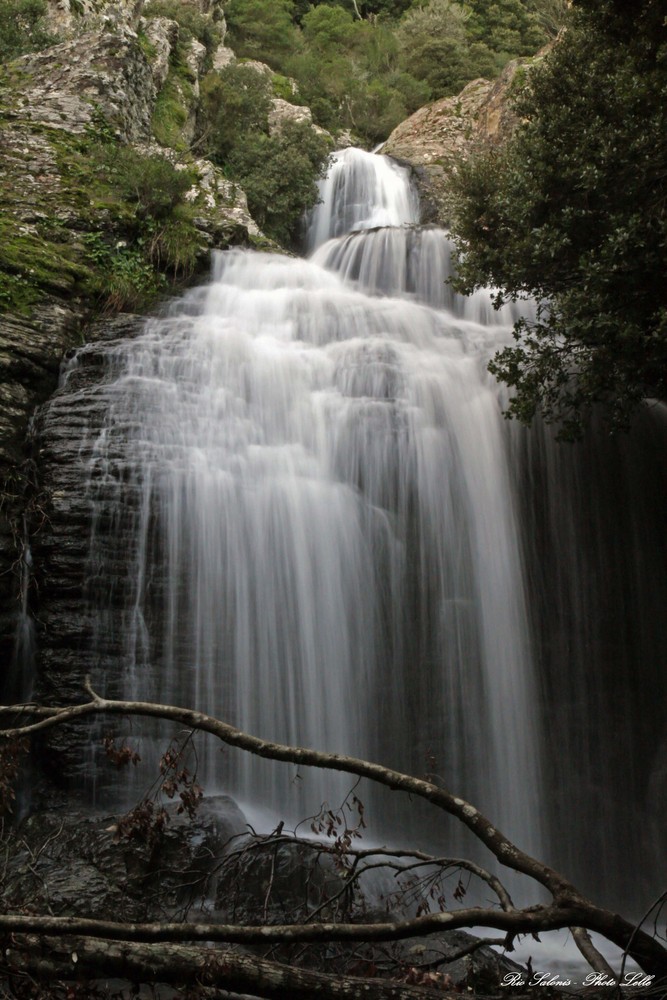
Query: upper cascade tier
x=415, y=263
x=361, y=191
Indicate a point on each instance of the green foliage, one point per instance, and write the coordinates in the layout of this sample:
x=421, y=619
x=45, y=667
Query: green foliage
x=326, y=28
x=263, y=29
x=235, y=101
x=359, y=69
x=147, y=196
x=447, y=43
x=17, y=294
x=22, y=28
x=121, y=276
x=149, y=183
x=283, y=87
x=507, y=26
x=572, y=212
x=550, y=15
x=170, y=115
x=192, y=23
x=174, y=100
x=133, y=226
x=371, y=11
x=278, y=174
x=34, y=259
x=349, y=74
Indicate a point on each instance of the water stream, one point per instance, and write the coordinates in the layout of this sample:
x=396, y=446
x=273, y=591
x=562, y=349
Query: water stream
x=310, y=518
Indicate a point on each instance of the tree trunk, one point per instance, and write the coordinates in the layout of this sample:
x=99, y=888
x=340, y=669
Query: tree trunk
x=49, y=959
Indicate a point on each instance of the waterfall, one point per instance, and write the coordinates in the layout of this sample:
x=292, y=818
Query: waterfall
x=309, y=518
x=306, y=464
x=361, y=191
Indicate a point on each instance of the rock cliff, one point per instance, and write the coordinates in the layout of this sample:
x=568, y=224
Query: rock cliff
x=435, y=137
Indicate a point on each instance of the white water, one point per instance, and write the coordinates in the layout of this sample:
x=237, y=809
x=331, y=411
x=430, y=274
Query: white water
x=315, y=505
x=361, y=191
x=307, y=471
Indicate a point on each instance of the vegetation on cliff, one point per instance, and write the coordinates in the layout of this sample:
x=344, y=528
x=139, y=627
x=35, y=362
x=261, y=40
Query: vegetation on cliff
x=22, y=27
x=133, y=225
x=365, y=65
x=277, y=168
x=572, y=212
x=360, y=67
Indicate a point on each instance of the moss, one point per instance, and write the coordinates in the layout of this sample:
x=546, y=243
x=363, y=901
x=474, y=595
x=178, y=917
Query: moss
x=174, y=101
x=111, y=225
x=17, y=293
x=146, y=46
x=39, y=261
x=170, y=114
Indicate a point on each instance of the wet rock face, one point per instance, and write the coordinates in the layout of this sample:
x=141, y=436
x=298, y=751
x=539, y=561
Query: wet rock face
x=30, y=352
x=65, y=431
x=46, y=517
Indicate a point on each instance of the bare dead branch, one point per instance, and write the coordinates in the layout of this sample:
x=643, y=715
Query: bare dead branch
x=524, y=921
x=597, y=962
x=500, y=845
x=570, y=907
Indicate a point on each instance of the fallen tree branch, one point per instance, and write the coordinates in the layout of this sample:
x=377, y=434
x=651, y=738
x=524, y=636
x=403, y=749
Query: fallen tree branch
x=503, y=849
x=527, y=921
x=570, y=907
x=52, y=958
x=597, y=962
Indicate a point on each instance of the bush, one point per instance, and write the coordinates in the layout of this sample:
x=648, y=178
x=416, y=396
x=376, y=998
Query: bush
x=572, y=213
x=192, y=23
x=151, y=229
x=279, y=176
x=22, y=28
x=150, y=183
x=263, y=29
x=235, y=101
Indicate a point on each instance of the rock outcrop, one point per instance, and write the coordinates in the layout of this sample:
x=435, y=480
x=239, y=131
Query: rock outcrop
x=435, y=138
x=76, y=864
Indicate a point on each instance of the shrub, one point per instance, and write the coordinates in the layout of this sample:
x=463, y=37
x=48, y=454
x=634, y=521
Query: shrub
x=235, y=101
x=263, y=29
x=22, y=28
x=279, y=176
x=192, y=23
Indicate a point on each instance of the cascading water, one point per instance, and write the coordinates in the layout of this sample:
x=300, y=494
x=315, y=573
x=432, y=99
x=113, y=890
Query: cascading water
x=310, y=519
x=361, y=191
x=313, y=486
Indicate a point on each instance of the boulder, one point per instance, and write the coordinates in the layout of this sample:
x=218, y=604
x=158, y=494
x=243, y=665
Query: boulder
x=74, y=863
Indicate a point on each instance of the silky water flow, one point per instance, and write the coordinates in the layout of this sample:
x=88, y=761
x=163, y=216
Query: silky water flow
x=310, y=519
